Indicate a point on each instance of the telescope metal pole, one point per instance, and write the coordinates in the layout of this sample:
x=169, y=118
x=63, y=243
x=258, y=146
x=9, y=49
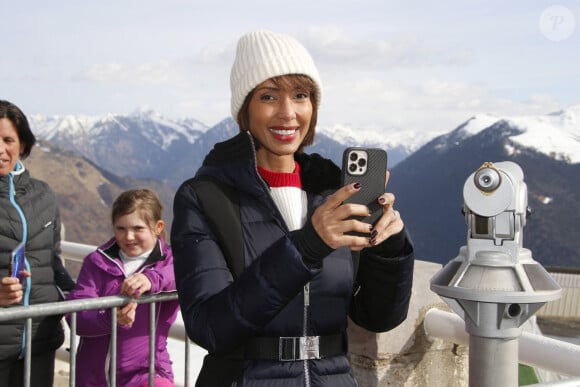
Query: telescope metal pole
x=493, y=362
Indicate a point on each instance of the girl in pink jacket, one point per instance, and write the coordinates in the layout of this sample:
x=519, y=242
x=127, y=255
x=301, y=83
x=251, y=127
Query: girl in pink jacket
x=136, y=261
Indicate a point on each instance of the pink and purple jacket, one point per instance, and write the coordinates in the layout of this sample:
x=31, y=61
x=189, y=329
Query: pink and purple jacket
x=101, y=275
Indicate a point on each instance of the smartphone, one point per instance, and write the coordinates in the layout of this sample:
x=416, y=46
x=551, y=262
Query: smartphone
x=367, y=166
x=18, y=262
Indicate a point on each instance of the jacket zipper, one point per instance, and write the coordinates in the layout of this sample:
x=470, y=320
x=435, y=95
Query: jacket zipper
x=26, y=297
x=307, y=382
x=305, y=331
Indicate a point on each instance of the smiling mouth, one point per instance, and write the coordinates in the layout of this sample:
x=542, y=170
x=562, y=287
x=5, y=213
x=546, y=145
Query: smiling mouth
x=283, y=132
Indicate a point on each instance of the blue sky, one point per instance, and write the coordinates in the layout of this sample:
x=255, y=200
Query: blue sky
x=385, y=65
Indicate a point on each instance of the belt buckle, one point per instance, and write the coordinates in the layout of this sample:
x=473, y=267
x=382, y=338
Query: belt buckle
x=310, y=347
x=302, y=348
x=283, y=343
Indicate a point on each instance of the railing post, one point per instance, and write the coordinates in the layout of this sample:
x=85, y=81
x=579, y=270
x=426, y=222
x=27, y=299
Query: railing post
x=73, y=350
x=187, y=372
x=28, y=351
x=151, y=344
x=113, y=349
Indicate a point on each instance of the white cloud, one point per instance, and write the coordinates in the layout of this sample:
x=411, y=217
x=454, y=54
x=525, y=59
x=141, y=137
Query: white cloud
x=433, y=104
x=425, y=66
x=333, y=46
x=161, y=73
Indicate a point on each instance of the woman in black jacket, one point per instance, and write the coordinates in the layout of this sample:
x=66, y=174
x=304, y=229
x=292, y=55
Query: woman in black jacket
x=283, y=320
x=30, y=224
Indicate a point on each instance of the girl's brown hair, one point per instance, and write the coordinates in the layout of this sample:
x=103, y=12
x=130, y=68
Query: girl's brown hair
x=144, y=201
x=289, y=81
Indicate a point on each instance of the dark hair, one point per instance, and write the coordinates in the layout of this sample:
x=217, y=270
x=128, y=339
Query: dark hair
x=292, y=81
x=14, y=114
x=144, y=201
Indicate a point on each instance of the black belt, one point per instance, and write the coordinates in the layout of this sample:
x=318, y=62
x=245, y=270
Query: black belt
x=295, y=348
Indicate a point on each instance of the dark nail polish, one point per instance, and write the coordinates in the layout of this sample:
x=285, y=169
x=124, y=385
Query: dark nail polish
x=374, y=234
x=373, y=241
x=357, y=185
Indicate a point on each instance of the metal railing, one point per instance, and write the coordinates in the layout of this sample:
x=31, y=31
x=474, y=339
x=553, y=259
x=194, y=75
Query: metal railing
x=73, y=307
x=534, y=350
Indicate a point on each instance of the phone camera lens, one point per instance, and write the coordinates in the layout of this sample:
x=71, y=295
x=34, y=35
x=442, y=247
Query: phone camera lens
x=362, y=162
x=352, y=167
x=353, y=156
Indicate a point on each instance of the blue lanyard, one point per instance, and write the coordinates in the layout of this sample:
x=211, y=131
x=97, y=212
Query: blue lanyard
x=26, y=298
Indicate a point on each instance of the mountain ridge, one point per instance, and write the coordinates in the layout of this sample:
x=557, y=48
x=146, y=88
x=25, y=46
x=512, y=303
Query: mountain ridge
x=145, y=144
x=429, y=186
x=85, y=192
x=427, y=180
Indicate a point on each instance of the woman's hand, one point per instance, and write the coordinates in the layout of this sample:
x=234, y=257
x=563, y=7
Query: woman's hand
x=136, y=285
x=332, y=220
x=11, y=291
x=390, y=223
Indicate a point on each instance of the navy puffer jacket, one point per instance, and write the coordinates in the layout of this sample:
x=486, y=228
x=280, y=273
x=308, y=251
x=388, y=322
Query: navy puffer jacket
x=278, y=295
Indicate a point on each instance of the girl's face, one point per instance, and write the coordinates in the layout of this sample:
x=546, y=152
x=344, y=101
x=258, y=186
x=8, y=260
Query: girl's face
x=134, y=236
x=10, y=146
x=279, y=118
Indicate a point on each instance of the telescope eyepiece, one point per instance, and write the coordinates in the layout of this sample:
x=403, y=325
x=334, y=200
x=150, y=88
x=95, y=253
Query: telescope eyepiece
x=487, y=179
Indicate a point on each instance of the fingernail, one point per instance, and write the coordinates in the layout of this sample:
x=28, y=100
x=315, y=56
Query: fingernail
x=374, y=234
x=356, y=185
x=373, y=241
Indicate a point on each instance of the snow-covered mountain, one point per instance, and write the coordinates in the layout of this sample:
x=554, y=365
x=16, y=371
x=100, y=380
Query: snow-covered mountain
x=429, y=183
x=556, y=135
x=143, y=144
x=146, y=144
x=405, y=141
x=156, y=128
x=427, y=170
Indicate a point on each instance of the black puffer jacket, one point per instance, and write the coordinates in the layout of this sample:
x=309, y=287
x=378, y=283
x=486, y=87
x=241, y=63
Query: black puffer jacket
x=268, y=299
x=38, y=205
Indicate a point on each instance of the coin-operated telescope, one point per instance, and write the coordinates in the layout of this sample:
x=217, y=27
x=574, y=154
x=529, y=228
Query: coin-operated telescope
x=494, y=284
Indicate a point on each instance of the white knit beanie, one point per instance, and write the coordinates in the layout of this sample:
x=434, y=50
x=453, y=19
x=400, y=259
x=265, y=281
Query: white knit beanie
x=261, y=55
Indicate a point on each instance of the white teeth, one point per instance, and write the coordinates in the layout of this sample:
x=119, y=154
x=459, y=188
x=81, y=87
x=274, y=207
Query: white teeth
x=283, y=132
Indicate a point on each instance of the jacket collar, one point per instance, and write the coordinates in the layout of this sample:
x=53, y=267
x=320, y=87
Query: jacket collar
x=19, y=177
x=111, y=249
x=233, y=162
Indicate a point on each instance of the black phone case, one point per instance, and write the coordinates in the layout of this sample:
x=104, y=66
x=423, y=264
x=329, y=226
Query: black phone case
x=372, y=181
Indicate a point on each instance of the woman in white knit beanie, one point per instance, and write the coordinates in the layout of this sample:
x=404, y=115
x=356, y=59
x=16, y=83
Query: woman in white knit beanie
x=263, y=55
x=282, y=321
